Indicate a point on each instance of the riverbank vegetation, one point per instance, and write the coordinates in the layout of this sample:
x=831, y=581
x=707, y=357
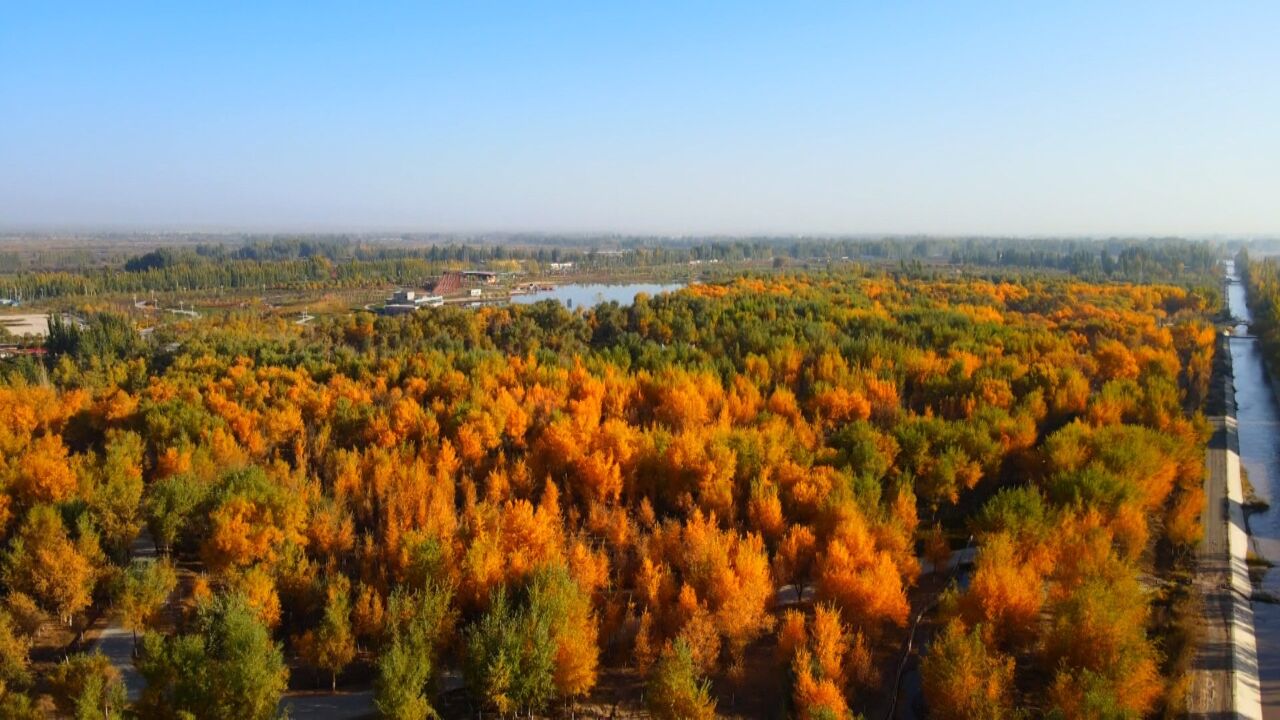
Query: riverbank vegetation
x=1262, y=280
x=733, y=499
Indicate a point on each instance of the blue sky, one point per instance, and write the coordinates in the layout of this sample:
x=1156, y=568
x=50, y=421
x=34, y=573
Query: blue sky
x=654, y=117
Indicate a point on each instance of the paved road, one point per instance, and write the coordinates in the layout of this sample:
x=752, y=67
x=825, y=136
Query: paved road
x=1225, y=681
x=117, y=643
x=330, y=706
x=1211, y=687
x=963, y=556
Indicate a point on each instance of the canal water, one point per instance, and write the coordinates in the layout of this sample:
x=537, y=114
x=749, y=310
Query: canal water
x=590, y=295
x=1258, y=415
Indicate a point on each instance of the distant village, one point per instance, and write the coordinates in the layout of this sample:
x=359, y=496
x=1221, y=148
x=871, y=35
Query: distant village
x=470, y=288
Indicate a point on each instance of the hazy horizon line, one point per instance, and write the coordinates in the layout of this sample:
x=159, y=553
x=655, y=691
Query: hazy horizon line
x=80, y=230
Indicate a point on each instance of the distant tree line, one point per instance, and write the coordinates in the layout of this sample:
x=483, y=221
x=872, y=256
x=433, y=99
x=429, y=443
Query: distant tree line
x=321, y=262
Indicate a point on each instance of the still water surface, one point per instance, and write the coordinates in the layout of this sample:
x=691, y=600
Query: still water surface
x=576, y=296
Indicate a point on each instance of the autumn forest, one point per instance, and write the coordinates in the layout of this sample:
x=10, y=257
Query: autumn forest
x=793, y=491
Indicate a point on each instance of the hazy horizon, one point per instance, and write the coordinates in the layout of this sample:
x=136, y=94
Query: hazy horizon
x=1153, y=119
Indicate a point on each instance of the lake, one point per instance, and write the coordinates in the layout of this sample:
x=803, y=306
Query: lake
x=590, y=295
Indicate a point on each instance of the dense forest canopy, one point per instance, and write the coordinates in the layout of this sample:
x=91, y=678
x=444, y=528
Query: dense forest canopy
x=736, y=497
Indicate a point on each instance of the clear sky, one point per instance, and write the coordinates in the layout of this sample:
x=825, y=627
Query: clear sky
x=649, y=117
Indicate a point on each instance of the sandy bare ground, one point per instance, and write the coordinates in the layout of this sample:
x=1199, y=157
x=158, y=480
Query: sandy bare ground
x=26, y=324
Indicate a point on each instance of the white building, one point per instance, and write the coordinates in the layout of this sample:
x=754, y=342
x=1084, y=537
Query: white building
x=408, y=301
